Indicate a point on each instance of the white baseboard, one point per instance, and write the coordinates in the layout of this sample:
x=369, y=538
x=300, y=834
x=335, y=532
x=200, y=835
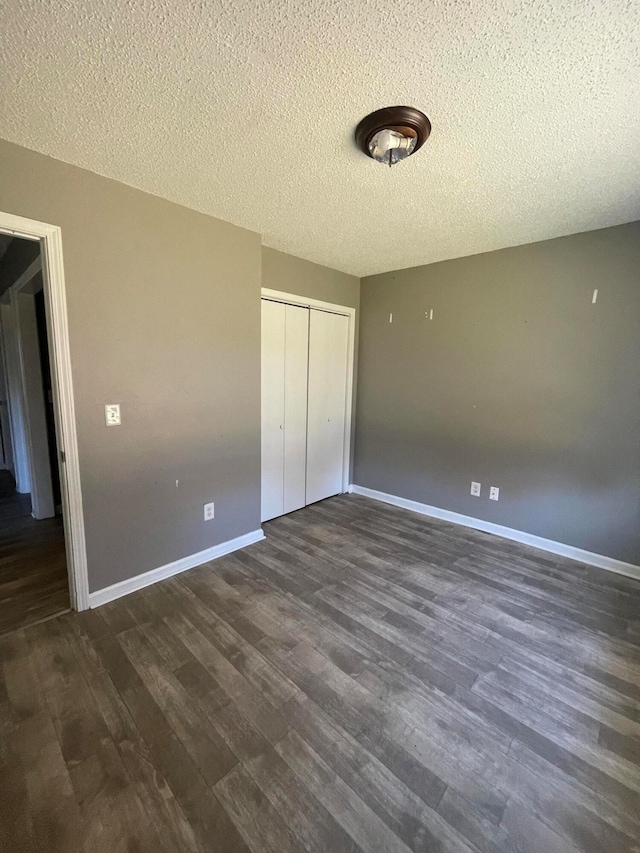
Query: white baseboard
x=598, y=560
x=117, y=590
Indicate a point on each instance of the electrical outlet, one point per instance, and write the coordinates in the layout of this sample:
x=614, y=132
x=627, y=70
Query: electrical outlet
x=112, y=414
x=494, y=493
x=475, y=489
x=209, y=512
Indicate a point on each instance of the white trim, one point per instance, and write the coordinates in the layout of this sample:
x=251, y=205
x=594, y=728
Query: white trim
x=117, y=590
x=50, y=239
x=305, y=301
x=350, y=313
x=598, y=560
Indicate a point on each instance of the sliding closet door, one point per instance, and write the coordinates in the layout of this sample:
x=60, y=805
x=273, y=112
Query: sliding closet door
x=328, y=344
x=295, y=406
x=273, y=352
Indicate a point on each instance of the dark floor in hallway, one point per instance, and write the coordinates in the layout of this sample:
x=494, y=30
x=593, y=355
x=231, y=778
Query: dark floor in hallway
x=365, y=679
x=33, y=566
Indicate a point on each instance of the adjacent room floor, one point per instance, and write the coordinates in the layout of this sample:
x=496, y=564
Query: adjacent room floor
x=33, y=566
x=364, y=680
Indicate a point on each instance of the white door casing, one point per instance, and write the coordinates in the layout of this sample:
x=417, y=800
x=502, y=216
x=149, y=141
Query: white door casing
x=50, y=239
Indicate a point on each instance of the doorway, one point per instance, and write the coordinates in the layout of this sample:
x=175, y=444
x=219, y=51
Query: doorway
x=42, y=548
x=33, y=571
x=307, y=375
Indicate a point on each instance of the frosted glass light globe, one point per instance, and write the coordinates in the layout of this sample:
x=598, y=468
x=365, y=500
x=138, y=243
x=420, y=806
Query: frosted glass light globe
x=389, y=146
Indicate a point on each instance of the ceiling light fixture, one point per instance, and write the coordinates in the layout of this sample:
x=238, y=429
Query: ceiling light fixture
x=393, y=134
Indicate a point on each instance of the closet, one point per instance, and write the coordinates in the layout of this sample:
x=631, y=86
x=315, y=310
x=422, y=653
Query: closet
x=304, y=397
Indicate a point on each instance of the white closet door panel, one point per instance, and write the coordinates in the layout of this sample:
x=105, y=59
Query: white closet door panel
x=295, y=406
x=328, y=343
x=273, y=372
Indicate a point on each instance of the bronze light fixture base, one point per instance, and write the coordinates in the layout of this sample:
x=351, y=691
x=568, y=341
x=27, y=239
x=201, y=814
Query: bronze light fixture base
x=409, y=122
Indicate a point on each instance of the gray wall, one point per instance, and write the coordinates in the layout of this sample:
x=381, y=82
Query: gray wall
x=164, y=318
x=304, y=278
x=518, y=382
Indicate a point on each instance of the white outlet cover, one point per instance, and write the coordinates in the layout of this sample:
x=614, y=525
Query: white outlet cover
x=494, y=493
x=112, y=414
x=209, y=512
x=475, y=489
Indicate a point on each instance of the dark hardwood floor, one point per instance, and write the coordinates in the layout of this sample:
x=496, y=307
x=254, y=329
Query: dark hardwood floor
x=33, y=565
x=364, y=680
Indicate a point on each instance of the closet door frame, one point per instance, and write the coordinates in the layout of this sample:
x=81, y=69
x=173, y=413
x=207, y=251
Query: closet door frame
x=350, y=313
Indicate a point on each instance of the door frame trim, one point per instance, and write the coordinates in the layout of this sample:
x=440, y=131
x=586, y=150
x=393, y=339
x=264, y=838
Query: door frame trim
x=50, y=239
x=350, y=313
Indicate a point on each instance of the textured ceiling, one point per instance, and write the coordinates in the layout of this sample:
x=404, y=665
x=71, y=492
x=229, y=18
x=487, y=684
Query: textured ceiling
x=245, y=109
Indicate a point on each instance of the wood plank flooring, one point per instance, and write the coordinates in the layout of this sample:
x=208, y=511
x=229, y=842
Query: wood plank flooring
x=364, y=680
x=33, y=565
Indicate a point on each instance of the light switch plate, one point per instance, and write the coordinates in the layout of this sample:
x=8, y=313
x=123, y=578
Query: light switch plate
x=112, y=414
